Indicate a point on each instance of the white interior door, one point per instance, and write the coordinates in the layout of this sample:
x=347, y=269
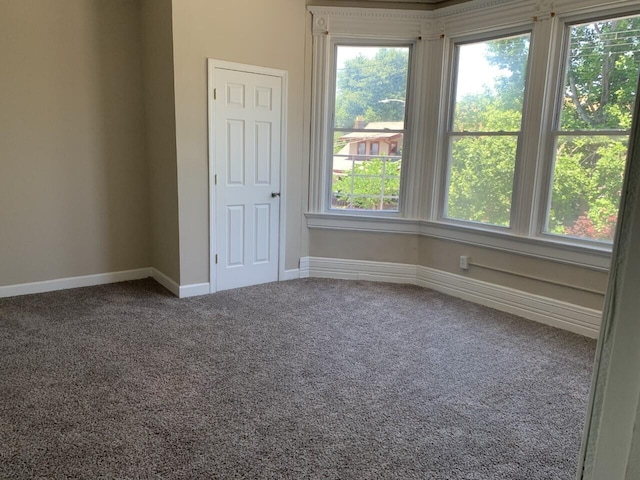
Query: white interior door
x=247, y=138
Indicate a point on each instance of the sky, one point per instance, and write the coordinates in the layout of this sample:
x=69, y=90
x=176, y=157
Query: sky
x=474, y=70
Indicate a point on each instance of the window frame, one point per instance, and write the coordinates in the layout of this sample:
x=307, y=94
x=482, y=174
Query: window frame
x=330, y=128
x=449, y=133
x=554, y=114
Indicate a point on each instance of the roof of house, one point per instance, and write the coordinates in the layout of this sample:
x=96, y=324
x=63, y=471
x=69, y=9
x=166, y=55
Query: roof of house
x=377, y=126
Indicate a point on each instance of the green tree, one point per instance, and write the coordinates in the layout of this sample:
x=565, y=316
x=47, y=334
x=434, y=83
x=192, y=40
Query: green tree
x=600, y=93
x=482, y=167
x=365, y=81
x=511, y=56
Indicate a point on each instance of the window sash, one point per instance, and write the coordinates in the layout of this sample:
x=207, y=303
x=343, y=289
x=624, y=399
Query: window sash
x=557, y=131
x=451, y=134
x=333, y=128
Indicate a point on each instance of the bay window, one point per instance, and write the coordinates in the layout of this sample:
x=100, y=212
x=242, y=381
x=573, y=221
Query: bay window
x=480, y=124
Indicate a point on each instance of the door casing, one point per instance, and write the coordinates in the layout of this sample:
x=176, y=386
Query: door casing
x=212, y=65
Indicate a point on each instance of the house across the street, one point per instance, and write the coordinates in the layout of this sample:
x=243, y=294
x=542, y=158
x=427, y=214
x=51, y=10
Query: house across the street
x=361, y=146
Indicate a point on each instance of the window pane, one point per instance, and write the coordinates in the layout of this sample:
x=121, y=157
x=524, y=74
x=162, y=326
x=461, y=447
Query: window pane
x=372, y=184
x=371, y=86
x=602, y=75
x=490, y=85
x=587, y=181
x=481, y=178
x=366, y=181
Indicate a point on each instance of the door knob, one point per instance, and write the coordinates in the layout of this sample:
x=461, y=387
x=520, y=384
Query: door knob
x=275, y=194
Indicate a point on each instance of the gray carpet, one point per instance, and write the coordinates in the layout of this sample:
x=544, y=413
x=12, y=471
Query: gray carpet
x=301, y=379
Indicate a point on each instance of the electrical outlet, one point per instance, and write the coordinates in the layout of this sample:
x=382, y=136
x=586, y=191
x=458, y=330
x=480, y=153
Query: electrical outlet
x=464, y=262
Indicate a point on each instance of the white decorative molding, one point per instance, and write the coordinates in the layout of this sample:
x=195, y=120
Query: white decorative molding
x=529, y=6
x=194, y=290
x=470, y=7
x=567, y=316
x=305, y=267
x=432, y=29
x=292, y=274
x=545, y=7
x=74, y=282
x=345, y=269
x=564, y=315
x=320, y=24
x=354, y=22
x=180, y=291
x=593, y=258
x=165, y=281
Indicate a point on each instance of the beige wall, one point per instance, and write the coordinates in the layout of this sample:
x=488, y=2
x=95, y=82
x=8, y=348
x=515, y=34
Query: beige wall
x=265, y=33
x=380, y=247
x=159, y=102
x=444, y=255
x=73, y=181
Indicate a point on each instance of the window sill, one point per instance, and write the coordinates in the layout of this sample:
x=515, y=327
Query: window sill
x=592, y=257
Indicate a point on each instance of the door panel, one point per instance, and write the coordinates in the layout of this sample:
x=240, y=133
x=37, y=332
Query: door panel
x=263, y=153
x=235, y=235
x=262, y=215
x=235, y=152
x=247, y=129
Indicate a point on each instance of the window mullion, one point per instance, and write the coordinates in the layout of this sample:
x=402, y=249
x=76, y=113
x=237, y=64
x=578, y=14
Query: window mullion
x=528, y=198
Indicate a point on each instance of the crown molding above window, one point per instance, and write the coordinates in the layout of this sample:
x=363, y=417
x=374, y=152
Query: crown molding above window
x=469, y=17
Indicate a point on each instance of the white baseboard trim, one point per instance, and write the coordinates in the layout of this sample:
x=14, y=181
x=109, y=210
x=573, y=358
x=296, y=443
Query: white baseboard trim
x=194, y=290
x=74, y=282
x=292, y=274
x=574, y=318
x=305, y=267
x=165, y=281
x=180, y=291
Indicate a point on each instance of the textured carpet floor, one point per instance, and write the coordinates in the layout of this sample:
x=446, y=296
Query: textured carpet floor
x=301, y=379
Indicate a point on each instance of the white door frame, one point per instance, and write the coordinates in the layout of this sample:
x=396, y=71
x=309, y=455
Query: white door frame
x=212, y=65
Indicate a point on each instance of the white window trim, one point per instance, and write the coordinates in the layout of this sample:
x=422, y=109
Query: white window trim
x=550, y=133
x=448, y=133
x=342, y=40
x=432, y=34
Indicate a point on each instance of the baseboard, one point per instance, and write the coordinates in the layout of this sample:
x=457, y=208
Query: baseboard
x=568, y=316
x=305, y=267
x=180, y=291
x=574, y=318
x=292, y=274
x=165, y=281
x=74, y=282
x=359, y=270
x=194, y=290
